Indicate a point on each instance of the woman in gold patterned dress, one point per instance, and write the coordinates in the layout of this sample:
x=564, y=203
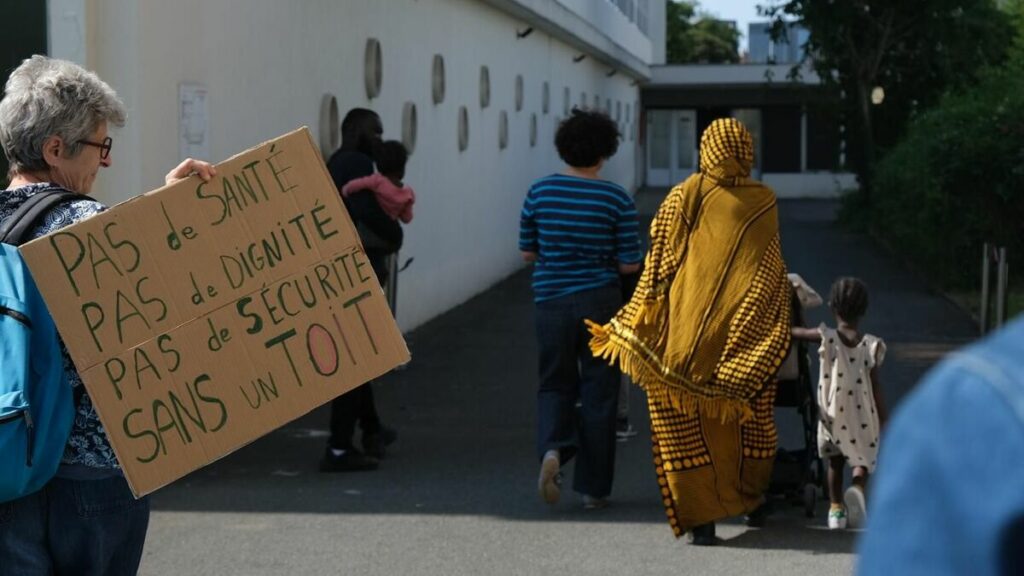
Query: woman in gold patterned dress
x=705, y=333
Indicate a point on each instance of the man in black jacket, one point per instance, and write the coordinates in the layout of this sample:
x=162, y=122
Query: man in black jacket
x=360, y=132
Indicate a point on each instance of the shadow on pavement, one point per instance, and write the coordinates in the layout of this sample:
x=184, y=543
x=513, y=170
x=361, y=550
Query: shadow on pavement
x=793, y=536
x=465, y=411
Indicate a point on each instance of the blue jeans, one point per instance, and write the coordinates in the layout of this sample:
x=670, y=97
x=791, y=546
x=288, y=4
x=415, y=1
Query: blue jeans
x=74, y=527
x=570, y=373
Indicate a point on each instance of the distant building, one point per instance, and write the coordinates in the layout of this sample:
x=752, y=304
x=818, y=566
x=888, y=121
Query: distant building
x=797, y=137
x=789, y=49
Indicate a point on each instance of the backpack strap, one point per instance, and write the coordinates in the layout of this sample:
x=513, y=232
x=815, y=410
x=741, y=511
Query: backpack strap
x=17, y=227
x=24, y=218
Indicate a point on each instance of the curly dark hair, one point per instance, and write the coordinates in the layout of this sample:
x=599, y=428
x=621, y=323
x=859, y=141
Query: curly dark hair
x=849, y=298
x=586, y=137
x=390, y=157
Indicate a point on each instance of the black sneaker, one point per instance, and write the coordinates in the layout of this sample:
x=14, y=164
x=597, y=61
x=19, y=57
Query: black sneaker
x=351, y=460
x=624, y=430
x=703, y=535
x=374, y=443
x=756, y=519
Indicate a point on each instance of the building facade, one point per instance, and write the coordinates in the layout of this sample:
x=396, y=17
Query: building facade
x=474, y=87
x=788, y=49
x=798, y=145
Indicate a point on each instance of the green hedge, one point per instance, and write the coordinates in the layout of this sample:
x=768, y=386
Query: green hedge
x=957, y=181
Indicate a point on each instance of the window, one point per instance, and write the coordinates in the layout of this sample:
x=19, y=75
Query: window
x=485, y=87
x=503, y=130
x=437, y=79
x=824, y=139
x=409, y=126
x=372, y=68
x=330, y=127
x=641, y=16
x=463, y=130
x=781, y=137
x=519, y=92
x=659, y=126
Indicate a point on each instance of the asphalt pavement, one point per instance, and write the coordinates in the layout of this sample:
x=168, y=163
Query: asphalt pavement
x=457, y=493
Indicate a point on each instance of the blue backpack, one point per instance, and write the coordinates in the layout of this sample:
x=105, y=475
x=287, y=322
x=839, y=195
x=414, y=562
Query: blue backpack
x=36, y=400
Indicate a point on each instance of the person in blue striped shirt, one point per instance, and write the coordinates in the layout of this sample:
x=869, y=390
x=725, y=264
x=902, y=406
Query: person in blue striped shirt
x=581, y=233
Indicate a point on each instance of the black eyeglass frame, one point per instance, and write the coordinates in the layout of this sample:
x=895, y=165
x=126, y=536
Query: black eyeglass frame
x=104, y=146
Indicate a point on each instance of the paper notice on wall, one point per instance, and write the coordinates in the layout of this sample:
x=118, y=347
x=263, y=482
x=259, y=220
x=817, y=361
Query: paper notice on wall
x=193, y=132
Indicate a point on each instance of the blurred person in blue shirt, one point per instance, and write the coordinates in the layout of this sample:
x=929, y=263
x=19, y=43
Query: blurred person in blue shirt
x=949, y=494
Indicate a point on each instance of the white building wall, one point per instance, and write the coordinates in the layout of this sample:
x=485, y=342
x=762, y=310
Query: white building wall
x=657, y=31
x=607, y=18
x=596, y=26
x=267, y=65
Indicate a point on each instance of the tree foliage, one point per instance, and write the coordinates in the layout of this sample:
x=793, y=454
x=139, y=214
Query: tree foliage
x=957, y=179
x=693, y=38
x=915, y=50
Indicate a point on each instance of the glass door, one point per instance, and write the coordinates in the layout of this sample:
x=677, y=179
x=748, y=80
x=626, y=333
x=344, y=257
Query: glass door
x=659, y=147
x=685, y=122
x=671, y=146
x=751, y=118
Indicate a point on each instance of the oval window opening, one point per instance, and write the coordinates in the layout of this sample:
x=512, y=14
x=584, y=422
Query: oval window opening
x=503, y=130
x=463, y=128
x=409, y=126
x=373, y=68
x=519, y=92
x=485, y=87
x=437, y=86
x=330, y=127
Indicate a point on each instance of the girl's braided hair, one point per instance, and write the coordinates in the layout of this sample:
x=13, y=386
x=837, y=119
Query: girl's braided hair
x=849, y=298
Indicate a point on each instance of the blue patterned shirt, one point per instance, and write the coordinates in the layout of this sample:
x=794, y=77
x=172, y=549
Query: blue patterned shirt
x=87, y=445
x=581, y=230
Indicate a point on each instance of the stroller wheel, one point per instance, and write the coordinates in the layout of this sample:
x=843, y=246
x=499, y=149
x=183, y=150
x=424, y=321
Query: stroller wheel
x=810, y=499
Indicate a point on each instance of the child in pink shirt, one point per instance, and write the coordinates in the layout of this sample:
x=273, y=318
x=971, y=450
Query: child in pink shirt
x=394, y=198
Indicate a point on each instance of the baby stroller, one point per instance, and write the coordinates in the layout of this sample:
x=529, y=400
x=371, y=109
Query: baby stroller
x=799, y=474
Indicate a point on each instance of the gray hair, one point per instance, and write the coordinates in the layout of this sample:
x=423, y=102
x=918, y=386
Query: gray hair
x=48, y=97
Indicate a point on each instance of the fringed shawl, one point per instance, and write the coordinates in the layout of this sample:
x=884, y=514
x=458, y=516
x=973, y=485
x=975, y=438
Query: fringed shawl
x=709, y=322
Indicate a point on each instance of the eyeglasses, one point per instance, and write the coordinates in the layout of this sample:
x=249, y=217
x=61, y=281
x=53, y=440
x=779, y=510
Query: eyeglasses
x=103, y=146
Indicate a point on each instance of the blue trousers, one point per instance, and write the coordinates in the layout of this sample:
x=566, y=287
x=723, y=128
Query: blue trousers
x=74, y=527
x=569, y=373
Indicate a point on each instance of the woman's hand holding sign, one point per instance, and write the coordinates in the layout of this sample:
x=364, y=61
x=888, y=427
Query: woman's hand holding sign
x=190, y=166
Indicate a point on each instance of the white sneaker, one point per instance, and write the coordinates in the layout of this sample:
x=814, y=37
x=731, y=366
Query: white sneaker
x=548, y=484
x=856, y=507
x=837, y=519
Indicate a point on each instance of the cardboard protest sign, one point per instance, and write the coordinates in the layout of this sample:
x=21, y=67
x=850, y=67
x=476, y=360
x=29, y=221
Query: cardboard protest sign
x=204, y=315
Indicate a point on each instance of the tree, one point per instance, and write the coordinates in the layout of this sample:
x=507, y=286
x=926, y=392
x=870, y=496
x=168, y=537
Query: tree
x=914, y=50
x=693, y=38
x=956, y=179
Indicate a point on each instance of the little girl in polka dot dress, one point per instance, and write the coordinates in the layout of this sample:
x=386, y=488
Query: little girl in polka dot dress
x=851, y=411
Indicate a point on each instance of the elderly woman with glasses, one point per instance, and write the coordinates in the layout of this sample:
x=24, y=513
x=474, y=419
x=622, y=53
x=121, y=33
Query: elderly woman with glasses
x=54, y=122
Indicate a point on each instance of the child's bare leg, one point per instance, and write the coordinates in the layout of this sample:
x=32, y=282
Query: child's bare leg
x=860, y=478
x=835, y=479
